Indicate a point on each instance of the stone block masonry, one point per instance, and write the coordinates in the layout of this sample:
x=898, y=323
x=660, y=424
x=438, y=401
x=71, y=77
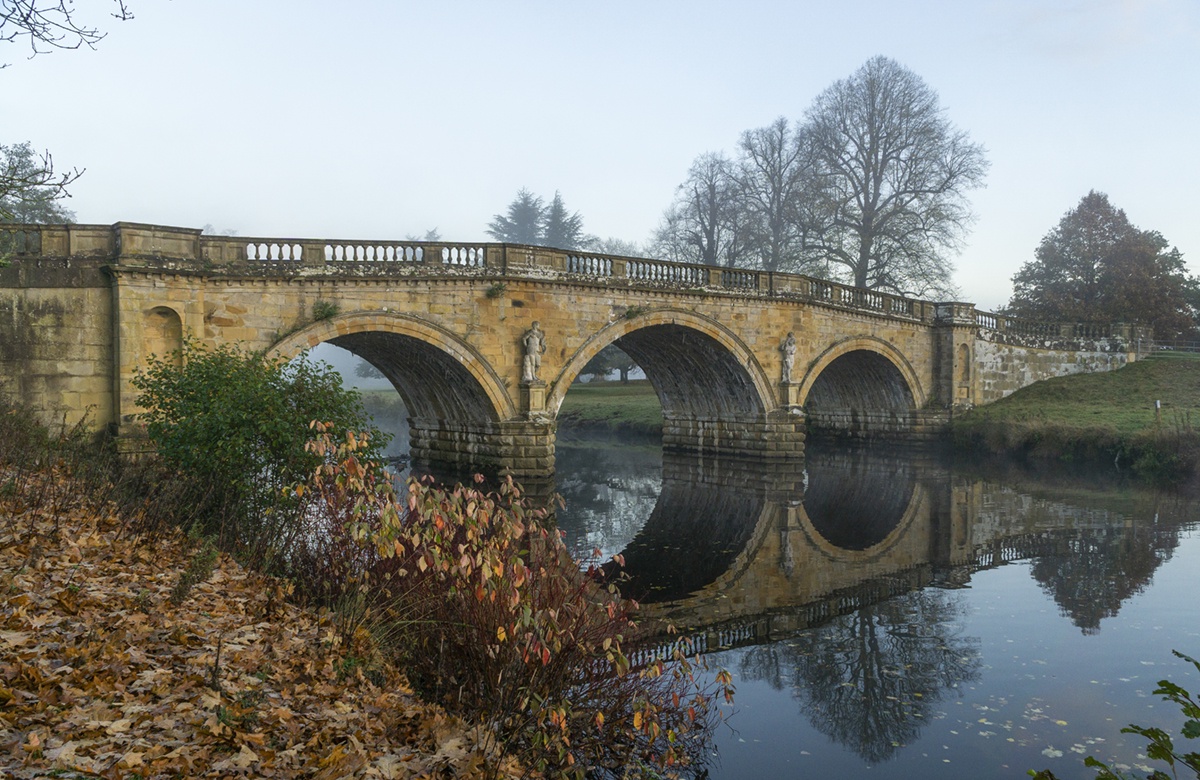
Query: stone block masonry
x=82, y=307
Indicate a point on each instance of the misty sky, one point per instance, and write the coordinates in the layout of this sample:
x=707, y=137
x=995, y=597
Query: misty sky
x=373, y=119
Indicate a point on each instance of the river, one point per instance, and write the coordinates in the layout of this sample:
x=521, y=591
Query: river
x=889, y=614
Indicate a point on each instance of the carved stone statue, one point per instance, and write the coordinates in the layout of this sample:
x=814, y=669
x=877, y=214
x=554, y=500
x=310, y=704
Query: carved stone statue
x=788, y=348
x=534, y=343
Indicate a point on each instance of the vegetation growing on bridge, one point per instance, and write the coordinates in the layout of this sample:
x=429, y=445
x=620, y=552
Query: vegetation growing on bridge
x=1108, y=418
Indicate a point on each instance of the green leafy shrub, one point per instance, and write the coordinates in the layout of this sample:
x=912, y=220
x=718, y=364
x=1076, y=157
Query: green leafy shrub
x=499, y=622
x=232, y=426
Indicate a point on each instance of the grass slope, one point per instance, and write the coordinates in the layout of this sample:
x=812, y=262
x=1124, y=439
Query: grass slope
x=1104, y=416
x=612, y=407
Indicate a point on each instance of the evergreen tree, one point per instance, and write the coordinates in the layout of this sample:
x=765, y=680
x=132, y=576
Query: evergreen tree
x=563, y=230
x=30, y=190
x=523, y=223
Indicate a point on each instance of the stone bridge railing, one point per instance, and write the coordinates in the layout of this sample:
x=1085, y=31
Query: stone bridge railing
x=188, y=249
x=1002, y=327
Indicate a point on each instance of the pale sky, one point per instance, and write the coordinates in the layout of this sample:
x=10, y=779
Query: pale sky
x=367, y=119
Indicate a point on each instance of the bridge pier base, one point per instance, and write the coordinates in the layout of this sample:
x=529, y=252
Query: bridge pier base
x=778, y=434
x=915, y=425
x=522, y=448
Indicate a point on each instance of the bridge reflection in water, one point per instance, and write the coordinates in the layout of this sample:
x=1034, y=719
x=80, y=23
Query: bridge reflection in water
x=742, y=552
x=840, y=578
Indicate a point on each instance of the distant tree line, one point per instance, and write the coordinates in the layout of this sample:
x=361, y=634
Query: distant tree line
x=530, y=220
x=870, y=189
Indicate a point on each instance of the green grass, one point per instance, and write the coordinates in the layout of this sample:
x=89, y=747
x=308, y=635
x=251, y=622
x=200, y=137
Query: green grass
x=1106, y=416
x=1121, y=401
x=612, y=407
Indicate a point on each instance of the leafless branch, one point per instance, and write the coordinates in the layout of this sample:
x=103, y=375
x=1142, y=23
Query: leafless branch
x=51, y=24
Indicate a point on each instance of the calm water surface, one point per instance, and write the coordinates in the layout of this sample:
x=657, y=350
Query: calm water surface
x=891, y=616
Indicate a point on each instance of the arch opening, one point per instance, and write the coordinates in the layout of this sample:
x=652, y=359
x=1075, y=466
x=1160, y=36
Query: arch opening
x=432, y=384
x=857, y=499
x=694, y=375
x=860, y=394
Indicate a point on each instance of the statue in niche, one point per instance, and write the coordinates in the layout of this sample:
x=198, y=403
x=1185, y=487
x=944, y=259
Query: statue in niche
x=534, y=343
x=788, y=348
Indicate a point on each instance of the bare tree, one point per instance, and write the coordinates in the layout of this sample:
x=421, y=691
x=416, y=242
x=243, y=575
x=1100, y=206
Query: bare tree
x=51, y=24
x=770, y=177
x=889, y=177
x=705, y=223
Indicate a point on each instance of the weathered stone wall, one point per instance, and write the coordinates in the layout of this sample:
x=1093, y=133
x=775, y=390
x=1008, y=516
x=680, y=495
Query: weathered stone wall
x=494, y=448
x=780, y=433
x=56, y=340
x=1001, y=368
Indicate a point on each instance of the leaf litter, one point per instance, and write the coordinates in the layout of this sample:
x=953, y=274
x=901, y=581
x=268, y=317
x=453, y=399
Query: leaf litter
x=102, y=675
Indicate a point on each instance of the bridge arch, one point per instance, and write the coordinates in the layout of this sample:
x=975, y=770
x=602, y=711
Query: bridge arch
x=861, y=385
x=438, y=375
x=698, y=367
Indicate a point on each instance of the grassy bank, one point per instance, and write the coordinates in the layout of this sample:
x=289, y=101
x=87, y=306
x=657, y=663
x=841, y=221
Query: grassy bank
x=1105, y=418
x=612, y=408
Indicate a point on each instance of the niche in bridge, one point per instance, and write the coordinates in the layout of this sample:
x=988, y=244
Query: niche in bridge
x=695, y=376
x=856, y=498
x=162, y=335
x=861, y=394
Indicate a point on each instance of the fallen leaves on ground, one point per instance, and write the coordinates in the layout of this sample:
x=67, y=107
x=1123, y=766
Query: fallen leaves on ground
x=102, y=676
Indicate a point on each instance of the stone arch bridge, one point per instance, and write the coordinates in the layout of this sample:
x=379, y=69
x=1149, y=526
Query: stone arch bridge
x=83, y=306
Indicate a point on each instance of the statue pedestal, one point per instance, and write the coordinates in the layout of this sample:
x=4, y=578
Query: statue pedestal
x=788, y=394
x=533, y=397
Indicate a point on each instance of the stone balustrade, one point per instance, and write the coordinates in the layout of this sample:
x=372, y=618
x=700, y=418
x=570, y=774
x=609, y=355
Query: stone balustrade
x=134, y=244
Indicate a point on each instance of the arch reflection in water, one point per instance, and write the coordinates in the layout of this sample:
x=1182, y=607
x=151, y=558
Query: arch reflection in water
x=855, y=498
x=609, y=491
x=703, y=524
x=679, y=521
x=853, y=610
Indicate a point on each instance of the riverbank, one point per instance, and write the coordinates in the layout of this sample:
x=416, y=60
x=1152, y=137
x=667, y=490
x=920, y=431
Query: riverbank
x=152, y=656
x=611, y=409
x=1144, y=417
x=1085, y=419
